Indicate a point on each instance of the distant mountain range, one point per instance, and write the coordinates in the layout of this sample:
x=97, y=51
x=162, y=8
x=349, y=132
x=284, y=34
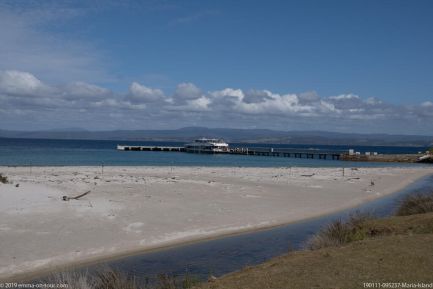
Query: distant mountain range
x=230, y=135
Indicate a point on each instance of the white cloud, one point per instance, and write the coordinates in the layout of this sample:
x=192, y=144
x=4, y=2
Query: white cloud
x=344, y=97
x=116, y=104
x=79, y=90
x=308, y=97
x=271, y=103
x=373, y=101
x=257, y=96
x=187, y=90
x=228, y=92
x=327, y=107
x=199, y=104
x=141, y=94
x=21, y=83
x=26, y=101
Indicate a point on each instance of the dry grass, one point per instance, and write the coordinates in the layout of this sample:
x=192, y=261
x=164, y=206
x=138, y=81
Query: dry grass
x=360, y=226
x=74, y=279
x=340, y=232
x=386, y=259
x=400, y=251
x=4, y=179
x=107, y=278
x=416, y=204
x=110, y=279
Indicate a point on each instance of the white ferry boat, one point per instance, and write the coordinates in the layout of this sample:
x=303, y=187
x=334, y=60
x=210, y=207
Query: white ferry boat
x=207, y=145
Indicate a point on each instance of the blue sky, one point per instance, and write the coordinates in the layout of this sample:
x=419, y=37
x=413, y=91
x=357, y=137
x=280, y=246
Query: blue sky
x=330, y=65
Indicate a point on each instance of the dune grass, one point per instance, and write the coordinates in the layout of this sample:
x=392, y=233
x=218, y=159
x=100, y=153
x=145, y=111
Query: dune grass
x=340, y=232
x=346, y=254
x=386, y=259
x=107, y=278
x=102, y=279
x=361, y=226
x=420, y=203
x=4, y=179
x=395, y=248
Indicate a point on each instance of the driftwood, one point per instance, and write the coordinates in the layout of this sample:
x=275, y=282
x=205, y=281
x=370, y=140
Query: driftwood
x=308, y=175
x=66, y=198
x=211, y=279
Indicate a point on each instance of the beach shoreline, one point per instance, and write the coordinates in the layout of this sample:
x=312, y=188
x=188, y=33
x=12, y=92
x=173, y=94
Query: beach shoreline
x=157, y=179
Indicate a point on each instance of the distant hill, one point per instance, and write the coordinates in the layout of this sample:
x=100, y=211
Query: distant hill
x=230, y=135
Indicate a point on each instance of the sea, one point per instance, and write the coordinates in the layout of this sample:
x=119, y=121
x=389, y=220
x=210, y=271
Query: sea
x=212, y=257
x=52, y=152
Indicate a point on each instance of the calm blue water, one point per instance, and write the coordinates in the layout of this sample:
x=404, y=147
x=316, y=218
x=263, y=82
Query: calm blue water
x=42, y=152
x=229, y=254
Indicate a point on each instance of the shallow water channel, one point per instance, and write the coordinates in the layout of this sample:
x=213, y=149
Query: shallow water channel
x=228, y=254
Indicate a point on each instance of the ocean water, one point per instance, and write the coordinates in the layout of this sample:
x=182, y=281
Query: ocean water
x=45, y=152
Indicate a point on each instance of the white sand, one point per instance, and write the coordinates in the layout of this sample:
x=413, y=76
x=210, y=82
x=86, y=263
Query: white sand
x=137, y=208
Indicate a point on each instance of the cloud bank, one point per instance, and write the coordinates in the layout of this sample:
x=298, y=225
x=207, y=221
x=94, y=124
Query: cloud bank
x=28, y=103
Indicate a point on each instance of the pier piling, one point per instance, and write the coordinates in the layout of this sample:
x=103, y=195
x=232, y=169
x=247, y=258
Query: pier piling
x=248, y=151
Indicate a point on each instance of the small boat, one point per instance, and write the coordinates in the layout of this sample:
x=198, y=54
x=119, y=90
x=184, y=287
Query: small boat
x=207, y=145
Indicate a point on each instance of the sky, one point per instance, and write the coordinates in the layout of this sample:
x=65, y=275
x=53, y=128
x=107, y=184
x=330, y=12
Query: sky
x=345, y=66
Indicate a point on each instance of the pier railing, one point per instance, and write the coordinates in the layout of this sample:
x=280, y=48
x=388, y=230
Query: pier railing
x=297, y=153
x=251, y=151
x=289, y=152
x=150, y=148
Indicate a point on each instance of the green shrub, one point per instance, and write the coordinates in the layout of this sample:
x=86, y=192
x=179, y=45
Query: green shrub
x=416, y=204
x=338, y=233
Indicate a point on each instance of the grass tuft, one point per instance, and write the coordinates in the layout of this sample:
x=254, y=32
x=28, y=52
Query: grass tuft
x=341, y=232
x=110, y=279
x=107, y=278
x=416, y=204
x=74, y=279
x=103, y=279
x=4, y=179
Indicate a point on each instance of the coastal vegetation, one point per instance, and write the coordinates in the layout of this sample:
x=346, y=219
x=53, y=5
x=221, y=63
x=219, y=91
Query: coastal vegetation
x=340, y=232
x=107, y=278
x=352, y=253
x=360, y=226
x=3, y=179
x=416, y=204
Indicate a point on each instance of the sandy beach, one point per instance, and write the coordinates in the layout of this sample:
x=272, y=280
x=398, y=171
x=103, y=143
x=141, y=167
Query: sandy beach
x=138, y=208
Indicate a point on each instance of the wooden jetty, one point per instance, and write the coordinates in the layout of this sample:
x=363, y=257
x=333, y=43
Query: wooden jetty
x=388, y=158
x=297, y=153
x=150, y=148
x=253, y=151
x=289, y=153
